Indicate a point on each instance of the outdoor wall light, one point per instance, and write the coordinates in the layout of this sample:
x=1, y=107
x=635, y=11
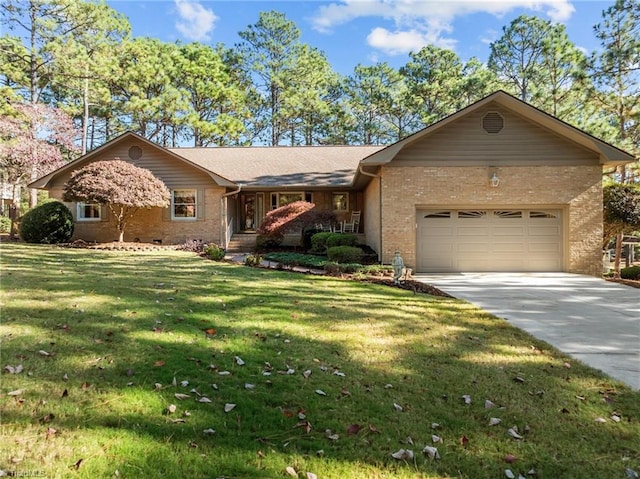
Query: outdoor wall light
x=495, y=179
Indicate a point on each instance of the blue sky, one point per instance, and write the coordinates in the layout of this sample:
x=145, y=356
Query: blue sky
x=363, y=31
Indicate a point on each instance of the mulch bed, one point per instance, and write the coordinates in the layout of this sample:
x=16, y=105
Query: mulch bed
x=627, y=282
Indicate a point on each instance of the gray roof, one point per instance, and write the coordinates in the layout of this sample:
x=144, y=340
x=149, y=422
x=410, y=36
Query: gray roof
x=286, y=166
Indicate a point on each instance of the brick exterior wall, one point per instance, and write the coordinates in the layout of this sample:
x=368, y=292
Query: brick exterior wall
x=577, y=190
x=155, y=224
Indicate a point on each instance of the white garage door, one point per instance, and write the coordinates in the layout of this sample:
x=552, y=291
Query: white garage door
x=489, y=240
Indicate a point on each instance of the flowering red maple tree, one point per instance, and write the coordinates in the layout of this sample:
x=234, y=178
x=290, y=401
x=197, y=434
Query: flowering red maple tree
x=122, y=187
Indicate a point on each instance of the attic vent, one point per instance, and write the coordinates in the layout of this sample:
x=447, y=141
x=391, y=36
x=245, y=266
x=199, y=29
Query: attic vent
x=135, y=152
x=492, y=122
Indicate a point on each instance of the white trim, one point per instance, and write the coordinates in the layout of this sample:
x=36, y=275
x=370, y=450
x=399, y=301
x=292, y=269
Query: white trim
x=195, y=204
x=80, y=210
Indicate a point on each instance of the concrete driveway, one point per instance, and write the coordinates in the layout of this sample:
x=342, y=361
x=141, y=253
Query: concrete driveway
x=595, y=321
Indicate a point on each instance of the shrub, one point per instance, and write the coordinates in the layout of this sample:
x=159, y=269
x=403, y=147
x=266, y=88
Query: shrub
x=378, y=270
x=48, y=223
x=214, y=252
x=265, y=242
x=5, y=224
x=282, y=220
x=297, y=259
x=332, y=267
x=341, y=239
x=194, y=246
x=307, y=234
x=345, y=254
x=351, y=268
x=632, y=272
x=319, y=242
x=253, y=260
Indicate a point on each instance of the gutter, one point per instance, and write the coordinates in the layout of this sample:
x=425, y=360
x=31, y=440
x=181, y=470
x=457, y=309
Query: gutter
x=372, y=175
x=223, y=216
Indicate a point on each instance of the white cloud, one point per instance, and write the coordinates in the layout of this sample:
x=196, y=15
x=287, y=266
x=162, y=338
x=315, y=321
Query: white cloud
x=195, y=22
x=419, y=22
x=399, y=42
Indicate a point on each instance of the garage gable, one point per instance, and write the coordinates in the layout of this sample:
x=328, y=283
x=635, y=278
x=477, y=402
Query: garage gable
x=494, y=135
x=493, y=116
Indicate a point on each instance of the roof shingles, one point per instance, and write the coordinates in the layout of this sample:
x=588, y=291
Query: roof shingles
x=332, y=166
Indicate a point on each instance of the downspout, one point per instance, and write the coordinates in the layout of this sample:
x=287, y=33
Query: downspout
x=372, y=175
x=223, y=230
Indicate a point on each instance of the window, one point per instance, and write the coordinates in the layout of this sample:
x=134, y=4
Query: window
x=340, y=201
x=282, y=199
x=471, y=214
x=438, y=214
x=89, y=212
x=184, y=204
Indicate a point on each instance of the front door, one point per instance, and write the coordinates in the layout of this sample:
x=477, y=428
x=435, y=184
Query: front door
x=248, y=212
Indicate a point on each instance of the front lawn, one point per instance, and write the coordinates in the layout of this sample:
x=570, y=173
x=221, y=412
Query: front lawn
x=163, y=364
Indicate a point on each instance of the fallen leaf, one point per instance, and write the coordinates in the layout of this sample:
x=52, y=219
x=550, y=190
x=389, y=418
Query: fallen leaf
x=239, y=361
x=184, y=384
x=436, y=438
x=311, y=475
x=353, y=429
x=489, y=404
x=388, y=386
x=631, y=474
x=403, y=454
x=172, y=408
x=464, y=440
x=321, y=392
x=209, y=432
x=42, y=352
x=51, y=432
x=615, y=418
x=204, y=399
x=330, y=435
x=345, y=392
x=467, y=399
x=307, y=373
x=229, y=407
x=210, y=331
x=509, y=474
x=224, y=373
x=47, y=418
x=600, y=420
x=435, y=425
x=291, y=471
x=514, y=433
x=249, y=386
x=432, y=452
x=397, y=407
x=510, y=458
x=181, y=396
x=494, y=421
x=339, y=373
x=158, y=364
x=306, y=425
x=16, y=392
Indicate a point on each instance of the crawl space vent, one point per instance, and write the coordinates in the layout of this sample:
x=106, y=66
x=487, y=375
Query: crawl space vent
x=492, y=122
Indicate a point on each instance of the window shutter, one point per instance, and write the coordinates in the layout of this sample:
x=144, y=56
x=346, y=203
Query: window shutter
x=104, y=213
x=200, y=205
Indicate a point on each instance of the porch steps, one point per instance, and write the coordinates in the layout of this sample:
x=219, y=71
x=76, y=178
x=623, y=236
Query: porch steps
x=242, y=243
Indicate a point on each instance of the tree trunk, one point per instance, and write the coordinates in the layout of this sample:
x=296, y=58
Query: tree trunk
x=121, y=237
x=616, y=266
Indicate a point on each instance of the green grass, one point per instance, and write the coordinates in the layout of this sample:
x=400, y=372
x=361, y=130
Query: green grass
x=119, y=327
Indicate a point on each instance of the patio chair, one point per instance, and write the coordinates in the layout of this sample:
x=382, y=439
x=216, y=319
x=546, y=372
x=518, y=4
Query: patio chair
x=353, y=225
